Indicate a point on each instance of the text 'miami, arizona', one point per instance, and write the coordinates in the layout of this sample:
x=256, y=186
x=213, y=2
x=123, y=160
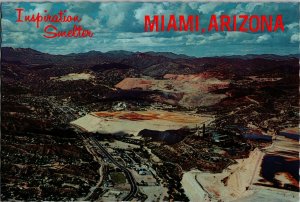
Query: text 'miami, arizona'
x=191, y=23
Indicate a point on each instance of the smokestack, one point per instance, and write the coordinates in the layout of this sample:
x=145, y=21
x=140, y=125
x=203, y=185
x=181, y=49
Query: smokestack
x=203, y=130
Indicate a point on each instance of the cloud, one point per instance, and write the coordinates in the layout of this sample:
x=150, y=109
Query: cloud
x=91, y=23
x=82, y=7
x=237, y=35
x=9, y=8
x=250, y=7
x=263, y=38
x=14, y=27
x=293, y=26
x=151, y=9
x=115, y=15
x=295, y=38
x=39, y=8
x=21, y=39
x=207, y=8
x=193, y=5
x=247, y=8
x=193, y=39
x=120, y=26
x=215, y=36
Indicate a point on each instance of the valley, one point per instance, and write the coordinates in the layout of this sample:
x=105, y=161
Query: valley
x=148, y=126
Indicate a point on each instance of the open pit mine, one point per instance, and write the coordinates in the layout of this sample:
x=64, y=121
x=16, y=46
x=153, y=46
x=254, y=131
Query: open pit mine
x=152, y=126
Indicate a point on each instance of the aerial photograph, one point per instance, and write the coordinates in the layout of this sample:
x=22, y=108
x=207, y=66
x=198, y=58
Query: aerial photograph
x=129, y=102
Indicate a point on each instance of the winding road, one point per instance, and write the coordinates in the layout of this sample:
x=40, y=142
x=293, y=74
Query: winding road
x=133, y=186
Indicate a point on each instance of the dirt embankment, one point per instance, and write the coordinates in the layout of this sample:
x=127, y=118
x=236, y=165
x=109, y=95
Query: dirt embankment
x=233, y=183
x=186, y=90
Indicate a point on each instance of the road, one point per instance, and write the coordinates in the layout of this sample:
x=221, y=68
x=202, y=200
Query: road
x=92, y=194
x=133, y=186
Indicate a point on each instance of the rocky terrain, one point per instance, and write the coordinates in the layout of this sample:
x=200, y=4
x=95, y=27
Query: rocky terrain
x=52, y=103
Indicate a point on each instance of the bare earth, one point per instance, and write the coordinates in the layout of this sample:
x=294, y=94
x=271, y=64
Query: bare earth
x=74, y=77
x=239, y=182
x=132, y=122
x=191, y=90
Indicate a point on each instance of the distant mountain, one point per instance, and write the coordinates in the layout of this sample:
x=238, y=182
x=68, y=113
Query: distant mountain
x=31, y=56
x=120, y=53
x=155, y=64
x=25, y=55
x=170, y=55
x=86, y=53
x=264, y=56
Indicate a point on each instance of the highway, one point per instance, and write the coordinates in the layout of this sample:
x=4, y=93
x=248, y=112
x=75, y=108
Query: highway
x=133, y=186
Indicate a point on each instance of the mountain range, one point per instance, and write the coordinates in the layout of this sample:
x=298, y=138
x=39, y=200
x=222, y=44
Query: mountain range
x=155, y=64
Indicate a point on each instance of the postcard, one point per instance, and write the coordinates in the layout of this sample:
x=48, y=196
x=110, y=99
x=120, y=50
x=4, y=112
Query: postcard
x=150, y=101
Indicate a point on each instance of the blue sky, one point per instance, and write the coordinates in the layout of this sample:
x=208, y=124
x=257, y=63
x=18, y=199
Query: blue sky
x=120, y=26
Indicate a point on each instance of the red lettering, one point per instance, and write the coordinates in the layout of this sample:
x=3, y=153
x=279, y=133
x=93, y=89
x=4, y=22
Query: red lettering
x=251, y=23
x=225, y=21
x=19, y=11
x=278, y=23
x=186, y=25
x=77, y=31
x=39, y=19
x=265, y=22
x=213, y=23
x=197, y=23
x=162, y=23
x=52, y=34
x=234, y=23
x=242, y=27
x=149, y=24
x=172, y=23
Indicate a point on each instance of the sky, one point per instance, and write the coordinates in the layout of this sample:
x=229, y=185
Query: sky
x=120, y=26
